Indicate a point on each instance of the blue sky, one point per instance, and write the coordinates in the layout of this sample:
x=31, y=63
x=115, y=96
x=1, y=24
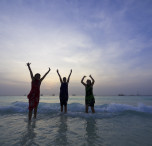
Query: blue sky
x=109, y=39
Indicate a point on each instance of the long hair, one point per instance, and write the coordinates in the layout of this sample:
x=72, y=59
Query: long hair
x=37, y=76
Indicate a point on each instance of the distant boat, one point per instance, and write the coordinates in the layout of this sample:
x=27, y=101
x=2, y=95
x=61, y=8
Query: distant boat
x=121, y=95
x=73, y=95
x=53, y=94
x=41, y=94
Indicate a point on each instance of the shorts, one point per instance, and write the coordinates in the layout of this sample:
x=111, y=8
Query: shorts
x=90, y=102
x=63, y=103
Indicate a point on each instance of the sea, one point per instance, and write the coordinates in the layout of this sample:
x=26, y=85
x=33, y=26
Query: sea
x=118, y=121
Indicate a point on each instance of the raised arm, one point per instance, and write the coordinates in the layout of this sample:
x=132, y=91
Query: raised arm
x=83, y=81
x=45, y=75
x=69, y=76
x=92, y=80
x=31, y=73
x=59, y=75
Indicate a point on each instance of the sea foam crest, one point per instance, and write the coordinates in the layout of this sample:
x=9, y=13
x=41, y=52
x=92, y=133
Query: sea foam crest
x=115, y=108
x=74, y=108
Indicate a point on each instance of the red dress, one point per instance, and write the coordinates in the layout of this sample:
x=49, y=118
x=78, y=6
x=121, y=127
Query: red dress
x=34, y=94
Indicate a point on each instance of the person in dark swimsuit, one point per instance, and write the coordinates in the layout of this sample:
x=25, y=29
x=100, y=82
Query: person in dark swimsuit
x=64, y=91
x=89, y=97
x=34, y=95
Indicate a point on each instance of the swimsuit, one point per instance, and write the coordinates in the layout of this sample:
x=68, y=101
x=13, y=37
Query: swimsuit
x=34, y=94
x=64, y=94
x=89, y=98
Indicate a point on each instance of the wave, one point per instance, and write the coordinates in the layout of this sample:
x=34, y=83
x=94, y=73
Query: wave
x=77, y=109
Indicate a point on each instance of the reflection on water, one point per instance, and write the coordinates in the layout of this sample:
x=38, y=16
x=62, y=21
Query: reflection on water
x=91, y=132
x=61, y=138
x=29, y=135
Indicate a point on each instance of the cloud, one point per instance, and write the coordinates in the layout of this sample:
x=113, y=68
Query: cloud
x=110, y=40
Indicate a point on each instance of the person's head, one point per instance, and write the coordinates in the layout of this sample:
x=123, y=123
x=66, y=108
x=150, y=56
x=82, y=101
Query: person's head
x=88, y=82
x=64, y=79
x=37, y=76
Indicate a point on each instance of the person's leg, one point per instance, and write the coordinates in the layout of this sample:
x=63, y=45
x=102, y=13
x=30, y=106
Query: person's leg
x=30, y=109
x=30, y=114
x=65, y=108
x=86, y=110
x=35, y=112
x=61, y=105
x=61, y=108
x=92, y=108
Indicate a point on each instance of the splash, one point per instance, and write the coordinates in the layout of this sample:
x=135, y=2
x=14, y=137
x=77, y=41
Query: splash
x=77, y=109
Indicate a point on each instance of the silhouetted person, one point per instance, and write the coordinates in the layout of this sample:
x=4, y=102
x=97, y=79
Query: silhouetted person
x=64, y=91
x=89, y=97
x=34, y=94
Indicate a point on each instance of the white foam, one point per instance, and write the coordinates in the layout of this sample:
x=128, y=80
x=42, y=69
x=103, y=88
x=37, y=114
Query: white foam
x=113, y=108
x=74, y=108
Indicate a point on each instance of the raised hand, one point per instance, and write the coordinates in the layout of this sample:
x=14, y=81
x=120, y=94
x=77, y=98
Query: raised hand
x=92, y=79
x=31, y=73
x=28, y=64
x=45, y=75
x=59, y=75
x=82, y=81
x=71, y=70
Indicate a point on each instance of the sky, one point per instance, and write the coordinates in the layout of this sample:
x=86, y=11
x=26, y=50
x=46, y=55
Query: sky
x=109, y=39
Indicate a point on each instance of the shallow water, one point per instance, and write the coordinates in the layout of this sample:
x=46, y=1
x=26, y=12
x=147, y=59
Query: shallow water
x=117, y=122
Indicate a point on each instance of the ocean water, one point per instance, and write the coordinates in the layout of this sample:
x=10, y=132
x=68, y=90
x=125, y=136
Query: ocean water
x=118, y=121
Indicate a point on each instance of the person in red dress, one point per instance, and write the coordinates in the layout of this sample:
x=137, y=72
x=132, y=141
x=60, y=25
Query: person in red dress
x=34, y=94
